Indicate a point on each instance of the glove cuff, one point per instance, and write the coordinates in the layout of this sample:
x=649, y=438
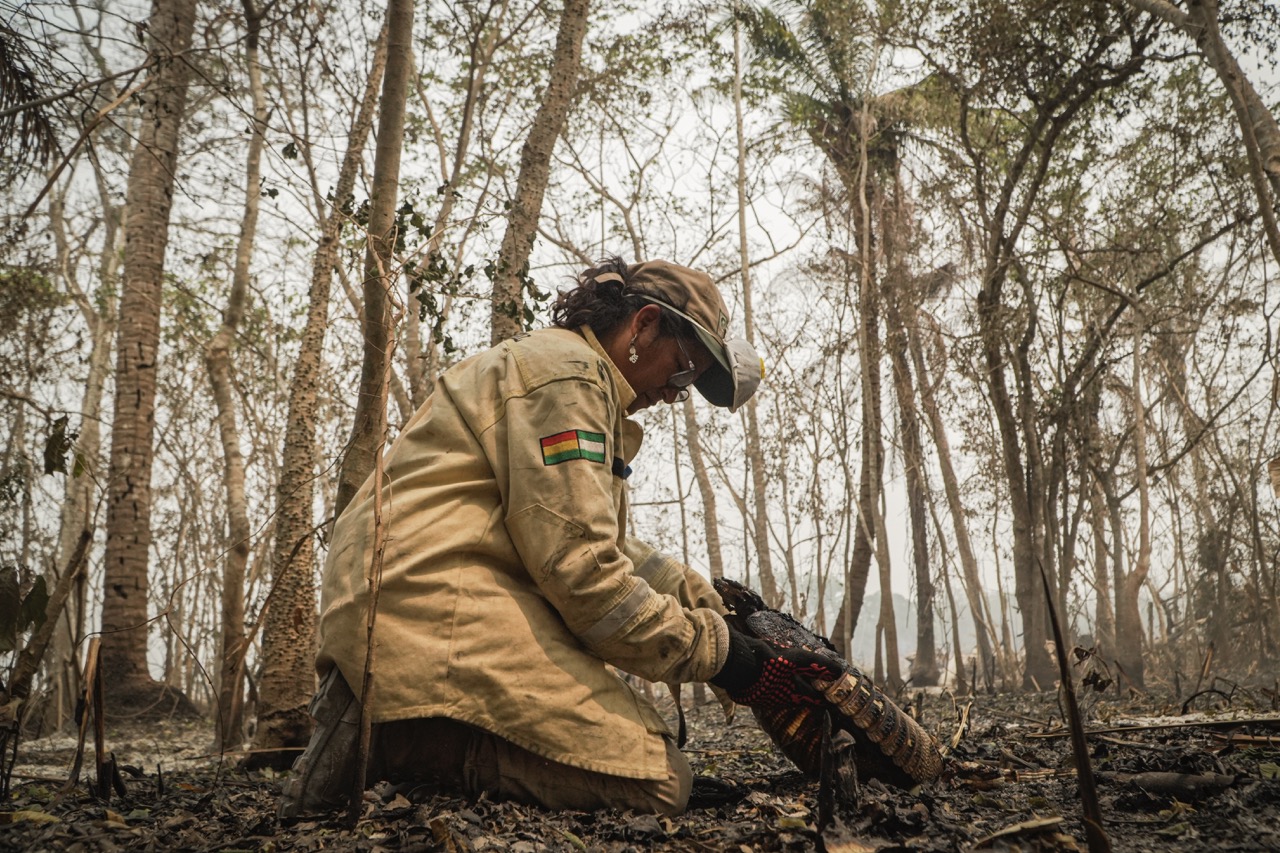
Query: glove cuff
x=741, y=669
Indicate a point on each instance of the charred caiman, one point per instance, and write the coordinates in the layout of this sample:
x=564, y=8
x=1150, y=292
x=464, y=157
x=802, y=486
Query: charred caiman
x=888, y=743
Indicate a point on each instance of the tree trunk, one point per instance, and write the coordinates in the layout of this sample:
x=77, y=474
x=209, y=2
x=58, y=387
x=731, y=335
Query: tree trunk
x=80, y=491
x=887, y=624
x=230, y=720
x=1128, y=617
x=1104, y=619
x=962, y=684
x=512, y=268
x=710, y=521
x=871, y=472
x=755, y=455
x=288, y=639
x=149, y=199
x=379, y=251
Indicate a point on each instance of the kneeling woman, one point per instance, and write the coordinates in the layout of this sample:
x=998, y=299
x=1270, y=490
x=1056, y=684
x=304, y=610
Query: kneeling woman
x=509, y=583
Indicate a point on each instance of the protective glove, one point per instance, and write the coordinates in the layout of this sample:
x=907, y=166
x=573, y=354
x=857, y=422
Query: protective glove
x=759, y=674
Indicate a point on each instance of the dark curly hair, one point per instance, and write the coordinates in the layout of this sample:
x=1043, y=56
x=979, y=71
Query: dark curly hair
x=606, y=305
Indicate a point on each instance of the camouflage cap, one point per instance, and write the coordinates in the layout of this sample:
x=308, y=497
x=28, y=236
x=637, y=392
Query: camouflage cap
x=736, y=373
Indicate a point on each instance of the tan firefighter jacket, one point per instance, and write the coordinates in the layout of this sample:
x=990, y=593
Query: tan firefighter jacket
x=508, y=581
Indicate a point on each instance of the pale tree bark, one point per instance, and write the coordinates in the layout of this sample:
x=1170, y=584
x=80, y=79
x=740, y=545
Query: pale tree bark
x=397, y=389
x=711, y=523
x=359, y=460
x=887, y=622
x=512, y=268
x=755, y=455
x=231, y=655
x=82, y=490
x=1128, y=616
x=289, y=626
x=1096, y=457
x=1104, y=618
x=149, y=199
x=963, y=685
x=699, y=688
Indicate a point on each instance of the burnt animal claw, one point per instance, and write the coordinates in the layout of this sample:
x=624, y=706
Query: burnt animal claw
x=888, y=743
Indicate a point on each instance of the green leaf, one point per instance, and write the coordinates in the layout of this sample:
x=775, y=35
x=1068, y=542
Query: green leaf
x=573, y=839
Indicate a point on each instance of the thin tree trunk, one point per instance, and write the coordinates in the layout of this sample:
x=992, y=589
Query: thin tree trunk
x=512, y=269
x=924, y=667
x=755, y=455
x=871, y=475
x=149, y=199
x=1128, y=618
x=81, y=490
x=962, y=685
x=888, y=621
x=379, y=254
x=288, y=638
x=858, y=564
x=230, y=722
x=1104, y=618
x=710, y=520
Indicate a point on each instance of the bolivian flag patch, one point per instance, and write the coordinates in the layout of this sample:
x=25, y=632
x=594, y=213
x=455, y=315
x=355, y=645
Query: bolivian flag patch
x=573, y=444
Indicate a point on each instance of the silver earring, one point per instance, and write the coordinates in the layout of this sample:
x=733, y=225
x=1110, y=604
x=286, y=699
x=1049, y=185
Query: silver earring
x=634, y=356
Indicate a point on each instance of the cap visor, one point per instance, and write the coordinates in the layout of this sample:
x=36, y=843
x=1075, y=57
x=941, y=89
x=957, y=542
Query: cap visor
x=716, y=384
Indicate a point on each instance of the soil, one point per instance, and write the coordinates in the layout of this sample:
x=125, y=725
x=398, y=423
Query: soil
x=1210, y=781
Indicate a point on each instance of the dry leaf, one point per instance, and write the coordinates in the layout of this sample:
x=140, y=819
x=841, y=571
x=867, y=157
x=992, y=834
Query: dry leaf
x=26, y=815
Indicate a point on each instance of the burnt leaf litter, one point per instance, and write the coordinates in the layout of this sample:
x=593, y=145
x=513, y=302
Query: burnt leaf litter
x=1170, y=778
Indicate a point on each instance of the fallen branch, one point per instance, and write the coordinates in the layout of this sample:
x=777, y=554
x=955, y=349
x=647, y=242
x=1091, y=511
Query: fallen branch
x=1271, y=722
x=1187, y=787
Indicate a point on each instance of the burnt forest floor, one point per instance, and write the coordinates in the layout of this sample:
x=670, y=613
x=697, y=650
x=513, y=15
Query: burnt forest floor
x=1207, y=786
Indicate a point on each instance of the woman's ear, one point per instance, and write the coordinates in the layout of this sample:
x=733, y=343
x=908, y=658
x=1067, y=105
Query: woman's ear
x=646, y=324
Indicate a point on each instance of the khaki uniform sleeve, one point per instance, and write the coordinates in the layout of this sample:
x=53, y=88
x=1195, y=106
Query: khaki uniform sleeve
x=669, y=576
x=562, y=504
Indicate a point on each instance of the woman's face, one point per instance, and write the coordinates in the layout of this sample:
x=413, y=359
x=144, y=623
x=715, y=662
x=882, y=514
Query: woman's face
x=658, y=359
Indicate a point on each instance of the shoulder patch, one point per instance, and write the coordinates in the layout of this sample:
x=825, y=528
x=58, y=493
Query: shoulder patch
x=572, y=444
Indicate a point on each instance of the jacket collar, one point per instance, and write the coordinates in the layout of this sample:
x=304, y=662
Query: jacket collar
x=626, y=394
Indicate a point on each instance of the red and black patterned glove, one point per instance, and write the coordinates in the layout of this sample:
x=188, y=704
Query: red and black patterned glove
x=760, y=674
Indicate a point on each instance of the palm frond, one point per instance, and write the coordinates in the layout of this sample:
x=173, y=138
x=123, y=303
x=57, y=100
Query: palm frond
x=27, y=133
